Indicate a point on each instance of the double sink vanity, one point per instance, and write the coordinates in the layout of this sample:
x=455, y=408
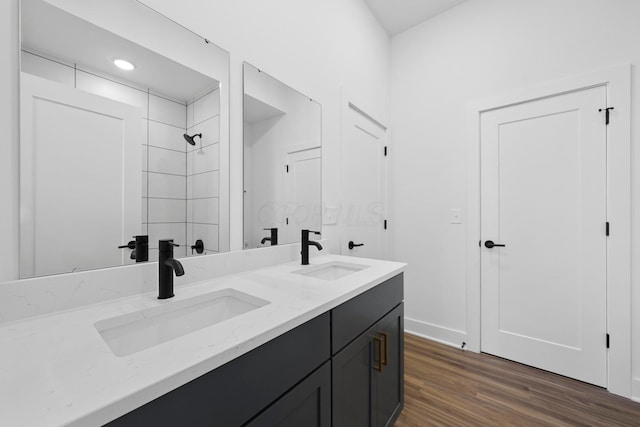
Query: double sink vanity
x=95, y=335
x=283, y=344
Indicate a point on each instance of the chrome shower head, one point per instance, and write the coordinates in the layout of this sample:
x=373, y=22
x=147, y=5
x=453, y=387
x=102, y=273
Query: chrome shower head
x=190, y=140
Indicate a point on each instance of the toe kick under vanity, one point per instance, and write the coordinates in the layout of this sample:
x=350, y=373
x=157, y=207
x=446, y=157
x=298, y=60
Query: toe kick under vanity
x=282, y=345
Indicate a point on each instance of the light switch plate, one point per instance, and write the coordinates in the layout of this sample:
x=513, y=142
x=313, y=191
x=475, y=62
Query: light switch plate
x=456, y=216
x=330, y=215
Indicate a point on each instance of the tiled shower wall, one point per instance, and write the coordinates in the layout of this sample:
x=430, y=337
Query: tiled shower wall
x=179, y=185
x=203, y=171
x=165, y=174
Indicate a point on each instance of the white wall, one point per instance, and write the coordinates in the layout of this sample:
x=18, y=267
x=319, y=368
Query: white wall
x=480, y=49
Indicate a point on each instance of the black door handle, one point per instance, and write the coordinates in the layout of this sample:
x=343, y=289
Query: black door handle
x=489, y=244
x=354, y=245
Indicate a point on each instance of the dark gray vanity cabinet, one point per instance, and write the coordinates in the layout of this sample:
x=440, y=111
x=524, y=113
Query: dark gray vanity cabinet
x=368, y=372
x=343, y=368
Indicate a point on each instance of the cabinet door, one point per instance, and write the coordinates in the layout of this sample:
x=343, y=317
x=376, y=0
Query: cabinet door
x=307, y=404
x=388, y=385
x=352, y=372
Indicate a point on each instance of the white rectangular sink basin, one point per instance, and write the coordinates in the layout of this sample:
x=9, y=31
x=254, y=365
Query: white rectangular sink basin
x=130, y=333
x=331, y=270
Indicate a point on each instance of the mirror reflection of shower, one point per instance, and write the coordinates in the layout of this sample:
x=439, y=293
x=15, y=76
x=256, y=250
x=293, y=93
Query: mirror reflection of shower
x=203, y=170
x=190, y=139
x=200, y=151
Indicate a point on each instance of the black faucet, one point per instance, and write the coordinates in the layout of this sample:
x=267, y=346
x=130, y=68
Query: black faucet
x=167, y=265
x=274, y=237
x=306, y=243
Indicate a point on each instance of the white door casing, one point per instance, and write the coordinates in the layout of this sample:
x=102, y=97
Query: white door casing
x=80, y=183
x=617, y=81
x=543, y=195
x=363, y=182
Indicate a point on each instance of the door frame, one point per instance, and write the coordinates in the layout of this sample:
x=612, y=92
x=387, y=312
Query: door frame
x=347, y=107
x=617, y=80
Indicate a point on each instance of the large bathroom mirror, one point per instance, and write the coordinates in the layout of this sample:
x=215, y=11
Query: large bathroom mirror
x=124, y=131
x=282, y=161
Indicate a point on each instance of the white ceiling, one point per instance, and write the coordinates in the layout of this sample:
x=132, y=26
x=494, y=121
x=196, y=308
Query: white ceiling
x=396, y=16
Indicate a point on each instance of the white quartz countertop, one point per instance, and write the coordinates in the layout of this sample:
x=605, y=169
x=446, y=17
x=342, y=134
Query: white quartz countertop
x=56, y=369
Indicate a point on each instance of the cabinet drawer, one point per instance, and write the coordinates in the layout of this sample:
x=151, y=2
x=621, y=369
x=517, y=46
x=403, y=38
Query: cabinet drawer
x=355, y=316
x=235, y=392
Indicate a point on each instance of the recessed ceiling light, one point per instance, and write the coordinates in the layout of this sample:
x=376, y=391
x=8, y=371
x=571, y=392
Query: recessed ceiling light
x=125, y=65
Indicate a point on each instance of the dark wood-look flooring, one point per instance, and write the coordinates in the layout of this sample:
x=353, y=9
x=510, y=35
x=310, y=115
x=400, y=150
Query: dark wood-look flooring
x=446, y=386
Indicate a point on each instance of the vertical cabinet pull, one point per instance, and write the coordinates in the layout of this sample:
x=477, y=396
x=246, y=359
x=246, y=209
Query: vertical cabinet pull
x=386, y=348
x=378, y=366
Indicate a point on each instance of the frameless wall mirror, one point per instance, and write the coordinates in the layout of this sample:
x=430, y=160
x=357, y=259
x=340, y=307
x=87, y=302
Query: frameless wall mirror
x=124, y=132
x=282, y=161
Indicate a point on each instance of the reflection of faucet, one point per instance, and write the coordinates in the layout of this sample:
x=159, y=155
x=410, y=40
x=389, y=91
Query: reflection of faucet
x=167, y=265
x=140, y=248
x=306, y=243
x=274, y=237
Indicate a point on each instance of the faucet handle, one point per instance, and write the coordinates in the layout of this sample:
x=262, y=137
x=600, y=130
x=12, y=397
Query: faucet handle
x=315, y=232
x=165, y=244
x=130, y=245
x=198, y=247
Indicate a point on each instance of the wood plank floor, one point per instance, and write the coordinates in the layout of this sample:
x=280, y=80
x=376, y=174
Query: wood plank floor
x=446, y=386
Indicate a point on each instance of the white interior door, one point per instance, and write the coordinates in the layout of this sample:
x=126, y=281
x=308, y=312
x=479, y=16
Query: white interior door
x=79, y=178
x=305, y=192
x=363, y=185
x=543, y=195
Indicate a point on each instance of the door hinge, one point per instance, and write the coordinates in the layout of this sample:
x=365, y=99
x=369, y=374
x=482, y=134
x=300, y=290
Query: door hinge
x=606, y=114
x=385, y=151
x=608, y=341
x=607, y=228
x=287, y=168
x=287, y=221
x=385, y=224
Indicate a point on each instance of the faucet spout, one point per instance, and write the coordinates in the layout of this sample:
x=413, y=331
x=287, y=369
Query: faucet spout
x=316, y=244
x=175, y=265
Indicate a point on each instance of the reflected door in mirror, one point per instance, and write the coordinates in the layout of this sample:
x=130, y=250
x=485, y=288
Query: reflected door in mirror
x=79, y=154
x=282, y=160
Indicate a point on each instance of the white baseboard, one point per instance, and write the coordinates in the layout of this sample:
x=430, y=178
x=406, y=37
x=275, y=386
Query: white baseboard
x=635, y=389
x=433, y=332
